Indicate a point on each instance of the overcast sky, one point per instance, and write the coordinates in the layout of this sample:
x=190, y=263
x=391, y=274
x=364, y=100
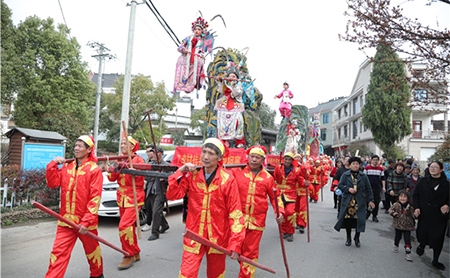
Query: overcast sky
x=294, y=41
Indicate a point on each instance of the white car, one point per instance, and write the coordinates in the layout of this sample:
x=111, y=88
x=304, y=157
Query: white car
x=108, y=203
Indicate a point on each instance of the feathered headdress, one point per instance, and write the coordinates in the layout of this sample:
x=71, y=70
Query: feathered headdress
x=200, y=22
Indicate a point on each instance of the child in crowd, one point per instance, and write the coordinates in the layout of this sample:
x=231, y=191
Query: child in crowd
x=403, y=213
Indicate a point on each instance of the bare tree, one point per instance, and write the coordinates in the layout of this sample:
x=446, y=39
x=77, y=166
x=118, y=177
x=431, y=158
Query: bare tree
x=372, y=21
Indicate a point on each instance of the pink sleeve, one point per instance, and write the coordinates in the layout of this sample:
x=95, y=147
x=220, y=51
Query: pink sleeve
x=291, y=94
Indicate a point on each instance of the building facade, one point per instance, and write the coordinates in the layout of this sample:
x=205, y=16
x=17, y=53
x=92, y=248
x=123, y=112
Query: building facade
x=421, y=144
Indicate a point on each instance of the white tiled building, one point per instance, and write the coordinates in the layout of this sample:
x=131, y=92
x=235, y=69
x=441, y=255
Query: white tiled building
x=347, y=115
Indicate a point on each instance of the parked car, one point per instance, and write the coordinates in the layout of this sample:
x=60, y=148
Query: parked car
x=168, y=156
x=108, y=202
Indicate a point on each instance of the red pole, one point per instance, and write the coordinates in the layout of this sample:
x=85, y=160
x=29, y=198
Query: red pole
x=307, y=202
x=104, y=158
x=321, y=184
x=190, y=234
x=281, y=233
x=133, y=182
x=76, y=227
x=140, y=166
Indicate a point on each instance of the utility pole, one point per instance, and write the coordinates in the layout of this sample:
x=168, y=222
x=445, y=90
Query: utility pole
x=127, y=79
x=101, y=49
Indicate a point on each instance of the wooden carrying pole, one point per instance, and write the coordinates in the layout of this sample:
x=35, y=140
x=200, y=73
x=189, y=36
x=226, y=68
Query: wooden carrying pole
x=157, y=155
x=321, y=184
x=104, y=158
x=281, y=233
x=132, y=180
x=76, y=227
x=190, y=234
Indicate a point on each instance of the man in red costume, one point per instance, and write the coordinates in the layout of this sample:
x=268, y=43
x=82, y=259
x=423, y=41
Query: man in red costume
x=255, y=184
x=302, y=199
x=81, y=188
x=317, y=180
x=287, y=178
x=125, y=200
x=214, y=210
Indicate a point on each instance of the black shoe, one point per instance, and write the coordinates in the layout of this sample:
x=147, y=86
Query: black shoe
x=297, y=227
x=420, y=251
x=310, y=200
x=335, y=206
x=163, y=230
x=285, y=235
x=386, y=211
x=348, y=242
x=357, y=243
x=315, y=202
x=290, y=237
x=375, y=219
x=153, y=237
x=438, y=265
x=301, y=230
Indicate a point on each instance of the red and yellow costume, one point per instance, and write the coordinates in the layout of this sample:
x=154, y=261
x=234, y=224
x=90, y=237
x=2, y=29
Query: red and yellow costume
x=125, y=200
x=81, y=189
x=288, y=187
x=317, y=180
x=253, y=192
x=302, y=198
x=214, y=213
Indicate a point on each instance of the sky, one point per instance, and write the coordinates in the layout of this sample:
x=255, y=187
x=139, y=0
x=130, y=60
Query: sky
x=293, y=41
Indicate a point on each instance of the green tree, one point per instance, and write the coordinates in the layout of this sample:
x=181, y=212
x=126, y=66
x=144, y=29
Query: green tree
x=143, y=96
x=198, y=119
x=8, y=58
x=267, y=116
x=386, y=111
x=443, y=151
x=364, y=150
x=52, y=84
x=178, y=138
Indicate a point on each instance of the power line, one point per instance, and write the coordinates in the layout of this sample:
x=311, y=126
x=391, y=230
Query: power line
x=177, y=42
x=65, y=23
x=164, y=21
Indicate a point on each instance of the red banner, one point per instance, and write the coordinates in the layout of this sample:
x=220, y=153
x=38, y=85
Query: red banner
x=273, y=159
x=192, y=155
x=166, y=140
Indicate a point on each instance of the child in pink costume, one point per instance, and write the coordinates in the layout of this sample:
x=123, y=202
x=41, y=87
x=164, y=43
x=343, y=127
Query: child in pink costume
x=285, y=105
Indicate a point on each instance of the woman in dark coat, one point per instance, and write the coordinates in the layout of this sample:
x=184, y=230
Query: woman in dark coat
x=357, y=191
x=431, y=207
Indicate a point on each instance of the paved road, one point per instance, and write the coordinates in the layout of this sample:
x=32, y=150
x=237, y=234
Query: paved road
x=25, y=251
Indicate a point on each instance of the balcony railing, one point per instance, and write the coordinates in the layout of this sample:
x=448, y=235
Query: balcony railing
x=428, y=134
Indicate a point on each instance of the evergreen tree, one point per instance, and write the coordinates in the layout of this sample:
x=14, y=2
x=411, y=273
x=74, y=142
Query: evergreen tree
x=143, y=96
x=267, y=116
x=386, y=112
x=53, y=88
x=8, y=58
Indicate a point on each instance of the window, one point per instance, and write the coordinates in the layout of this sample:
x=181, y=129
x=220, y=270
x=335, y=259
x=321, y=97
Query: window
x=355, y=129
x=346, y=110
x=339, y=132
x=420, y=95
x=355, y=105
x=360, y=127
x=323, y=134
x=361, y=102
x=326, y=118
x=339, y=113
x=365, y=128
x=345, y=131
